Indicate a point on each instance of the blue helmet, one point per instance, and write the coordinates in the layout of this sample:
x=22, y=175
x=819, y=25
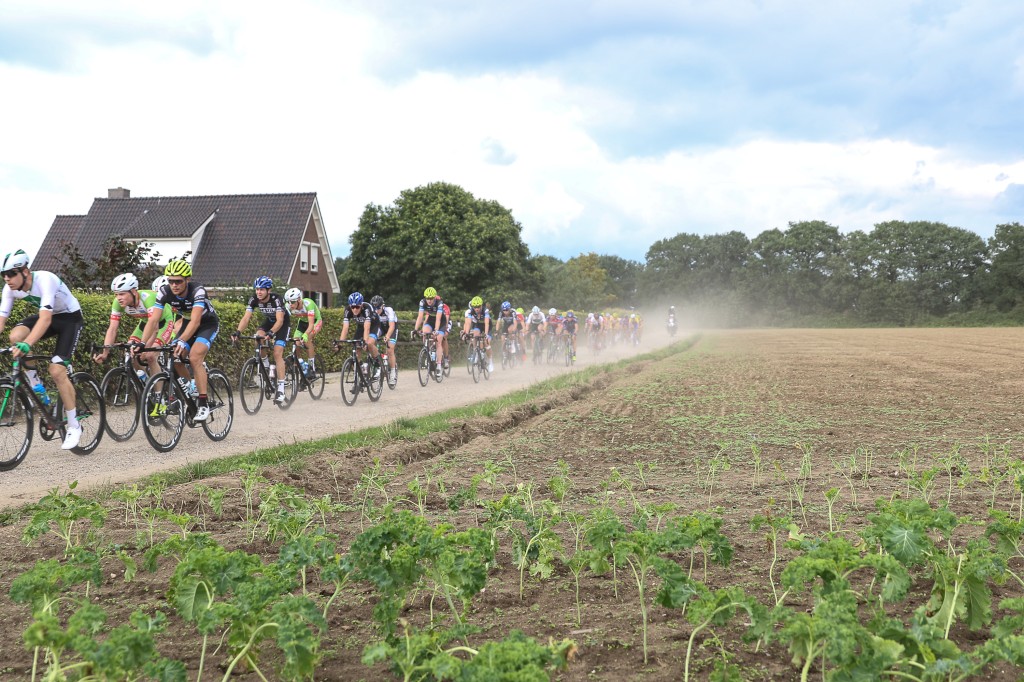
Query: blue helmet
x=263, y=282
x=505, y=305
x=355, y=298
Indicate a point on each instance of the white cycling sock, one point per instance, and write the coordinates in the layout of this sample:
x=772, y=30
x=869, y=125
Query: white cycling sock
x=73, y=419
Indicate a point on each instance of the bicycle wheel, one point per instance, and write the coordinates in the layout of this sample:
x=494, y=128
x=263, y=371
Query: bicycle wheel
x=16, y=418
x=474, y=370
x=569, y=357
x=221, y=403
x=291, y=382
x=423, y=366
x=121, y=397
x=250, y=386
x=163, y=412
x=375, y=386
x=349, y=382
x=315, y=386
x=89, y=411
x=470, y=358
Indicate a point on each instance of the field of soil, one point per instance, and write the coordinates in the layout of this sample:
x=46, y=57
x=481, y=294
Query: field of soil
x=820, y=433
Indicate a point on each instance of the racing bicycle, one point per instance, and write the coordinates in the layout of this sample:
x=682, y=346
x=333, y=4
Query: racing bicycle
x=169, y=405
x=19, y=403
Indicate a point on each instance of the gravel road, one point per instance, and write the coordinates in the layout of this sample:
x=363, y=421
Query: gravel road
x=47, y=465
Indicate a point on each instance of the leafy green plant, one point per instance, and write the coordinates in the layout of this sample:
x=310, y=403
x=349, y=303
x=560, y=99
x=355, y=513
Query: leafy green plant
x=216, y=589
x=63, y=514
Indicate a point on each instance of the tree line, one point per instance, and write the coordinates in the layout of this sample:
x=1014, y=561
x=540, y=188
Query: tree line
x=900, y=272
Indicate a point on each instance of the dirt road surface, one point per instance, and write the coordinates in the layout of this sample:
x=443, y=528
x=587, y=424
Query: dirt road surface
x=47, y=466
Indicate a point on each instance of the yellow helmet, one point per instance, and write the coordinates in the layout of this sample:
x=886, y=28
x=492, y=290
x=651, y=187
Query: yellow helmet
x=429, y=292
x=178, y=268
x=476, y=302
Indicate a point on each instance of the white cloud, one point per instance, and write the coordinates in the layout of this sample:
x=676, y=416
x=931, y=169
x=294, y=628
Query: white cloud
x=223, y=97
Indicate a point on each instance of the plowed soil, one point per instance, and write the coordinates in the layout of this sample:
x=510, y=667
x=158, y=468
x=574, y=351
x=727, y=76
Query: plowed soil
x=734, y=424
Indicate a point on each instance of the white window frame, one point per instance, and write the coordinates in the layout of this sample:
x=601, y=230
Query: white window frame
x=314, y=258
x=303, y=257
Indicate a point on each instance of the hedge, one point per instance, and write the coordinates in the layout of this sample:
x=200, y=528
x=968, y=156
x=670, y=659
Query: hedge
x=96, y=311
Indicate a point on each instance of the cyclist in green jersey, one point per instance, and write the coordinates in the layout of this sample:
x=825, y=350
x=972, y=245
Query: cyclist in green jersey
x=139, y=304
x=308, y=322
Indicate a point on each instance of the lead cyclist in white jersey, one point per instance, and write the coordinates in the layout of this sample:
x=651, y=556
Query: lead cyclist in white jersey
x=59, y=315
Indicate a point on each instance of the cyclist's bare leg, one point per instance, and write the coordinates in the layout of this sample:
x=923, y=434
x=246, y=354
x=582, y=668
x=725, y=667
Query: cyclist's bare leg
x=196, y=356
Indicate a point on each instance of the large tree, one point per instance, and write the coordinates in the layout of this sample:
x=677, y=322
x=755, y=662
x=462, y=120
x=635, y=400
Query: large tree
x=437, y=235
x=117, y=255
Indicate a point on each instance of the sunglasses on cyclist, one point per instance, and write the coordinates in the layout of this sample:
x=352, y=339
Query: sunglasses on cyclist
x=10, y=273
x=175, y=281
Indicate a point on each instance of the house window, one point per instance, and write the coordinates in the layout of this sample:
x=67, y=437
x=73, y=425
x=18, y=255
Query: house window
x=303, y=257
x=314, y=258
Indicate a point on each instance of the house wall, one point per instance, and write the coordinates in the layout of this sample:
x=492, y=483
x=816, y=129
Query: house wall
x=310, y=273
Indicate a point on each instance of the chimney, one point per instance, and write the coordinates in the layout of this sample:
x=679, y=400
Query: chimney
x=118, y=193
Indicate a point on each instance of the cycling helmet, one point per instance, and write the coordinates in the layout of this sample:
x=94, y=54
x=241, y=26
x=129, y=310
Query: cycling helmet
x=476, y=302
x=159, y=282
x=13, y=261
x=263, y=282
x=519, y=310
x=430, y=292
x=178, y=268
x=505, y=305
x=125, y=282
x=293, y=295
x=355, y=298
x=377, y=302
x=536, y=309
x=632, y=317
x=552, y=311
x=570, y=314
x=671, y=308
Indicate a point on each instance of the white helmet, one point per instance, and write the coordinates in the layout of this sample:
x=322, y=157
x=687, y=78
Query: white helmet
x=552, y=312
x=159, y=282
x=293, y=294
x=12, y=261
x=535, y=309
x=125, y=282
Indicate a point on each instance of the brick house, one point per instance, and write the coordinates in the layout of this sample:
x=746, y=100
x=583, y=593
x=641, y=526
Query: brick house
x=233, y=238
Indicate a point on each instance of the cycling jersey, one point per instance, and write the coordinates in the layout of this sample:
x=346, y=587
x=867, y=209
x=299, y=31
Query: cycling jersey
x=553, y=323
x=308, y=309
x=431, y=307
x=477, y=319
x=507, y=320
x=147, y=300
x=270, y=307
x=47, y=292
x=195, y=297
x=386, y=317
x=569, y=325
x=365, y=313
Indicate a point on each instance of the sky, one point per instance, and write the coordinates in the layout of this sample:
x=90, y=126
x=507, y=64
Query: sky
x=603, y=125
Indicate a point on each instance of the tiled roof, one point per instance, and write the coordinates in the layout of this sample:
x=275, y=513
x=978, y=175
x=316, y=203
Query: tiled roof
x=249, y=233
x=64, y=229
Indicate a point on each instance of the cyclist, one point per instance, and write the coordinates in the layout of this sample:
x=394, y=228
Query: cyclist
x=534, y=326
x=431, y=304
x=199, y=328
x=477, y=324
x=569, y=326
x=59, y=315
x=308, y=322
x=388, y=320
x=276, y=323
x=135, y=303
x=358, y=312
x=507, y=323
